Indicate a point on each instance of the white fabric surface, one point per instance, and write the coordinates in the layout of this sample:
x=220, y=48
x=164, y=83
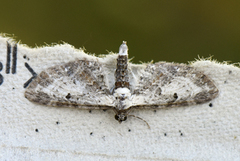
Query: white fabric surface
x=184, y=133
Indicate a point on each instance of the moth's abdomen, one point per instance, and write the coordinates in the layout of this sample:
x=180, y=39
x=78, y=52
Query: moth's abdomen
x=121, y=74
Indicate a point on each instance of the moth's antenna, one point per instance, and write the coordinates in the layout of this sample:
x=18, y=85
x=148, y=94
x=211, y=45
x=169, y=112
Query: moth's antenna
x=141, y=119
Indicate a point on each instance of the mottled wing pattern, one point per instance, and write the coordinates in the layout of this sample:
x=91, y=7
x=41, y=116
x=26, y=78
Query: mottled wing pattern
x=170, y=84
x=79, y=83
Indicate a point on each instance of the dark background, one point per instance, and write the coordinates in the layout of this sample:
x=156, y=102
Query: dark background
x=167, y=30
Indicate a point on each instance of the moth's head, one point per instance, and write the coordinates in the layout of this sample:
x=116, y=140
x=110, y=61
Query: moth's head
x=121, y=116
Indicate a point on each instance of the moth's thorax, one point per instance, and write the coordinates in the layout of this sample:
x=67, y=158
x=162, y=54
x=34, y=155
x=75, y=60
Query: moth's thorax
x=122, y=96
x=122, y=103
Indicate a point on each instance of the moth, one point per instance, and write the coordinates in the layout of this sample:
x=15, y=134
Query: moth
x=112, y=82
